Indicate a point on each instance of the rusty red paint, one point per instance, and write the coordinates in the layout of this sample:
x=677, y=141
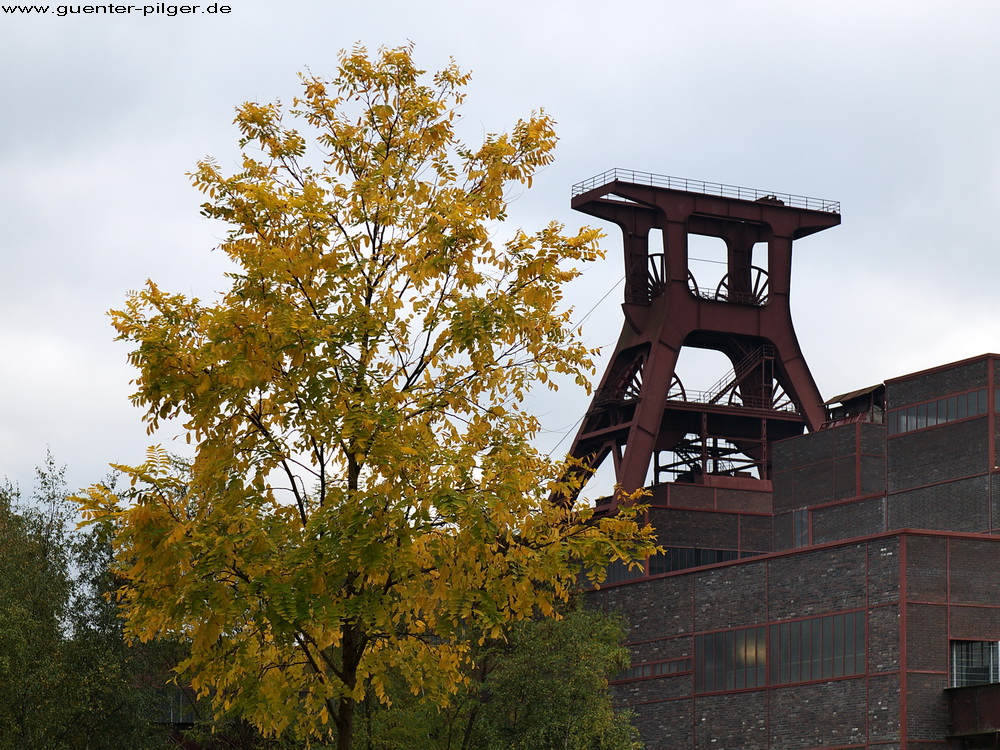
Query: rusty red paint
x=640, y=408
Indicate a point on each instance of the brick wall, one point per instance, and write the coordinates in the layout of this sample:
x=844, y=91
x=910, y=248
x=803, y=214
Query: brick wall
x=731, y=722
x=819, y=715
x=825, y=468
x=883, y=708
x=756, y=533
x=847, y=520
x=926, y=569
x=665, y=726
x=813, y=583
x=941, y=382
x=730, y=597
x=938, y=454
x=962, y=505
x=926, y=707
x=692, y=528
x=927, y=638
x=974, y=569
x=667, y=612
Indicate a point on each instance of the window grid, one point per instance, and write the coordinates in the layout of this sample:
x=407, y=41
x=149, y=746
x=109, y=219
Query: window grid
x=655, y=669
x=933, y=413
x=800, y=528
x=974, y=663
x=674, y=559
x=682, y=558
x=817, y=648
x=730, y=660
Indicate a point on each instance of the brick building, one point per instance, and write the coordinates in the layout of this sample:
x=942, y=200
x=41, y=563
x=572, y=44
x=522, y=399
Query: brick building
x=850, y=600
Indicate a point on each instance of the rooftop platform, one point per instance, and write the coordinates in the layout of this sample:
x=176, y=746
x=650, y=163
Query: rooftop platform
x=701, y=187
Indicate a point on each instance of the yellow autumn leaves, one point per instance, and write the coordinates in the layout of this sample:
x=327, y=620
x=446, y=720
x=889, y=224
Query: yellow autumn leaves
x=364, y=488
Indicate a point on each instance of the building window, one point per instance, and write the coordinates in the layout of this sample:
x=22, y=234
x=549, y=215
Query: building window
x=682, y=558
x=656, y=669
x=617, y=572
x=730, y=660
x=933, y=413
x=818, y=648
x=974, y=663
x=800, y=528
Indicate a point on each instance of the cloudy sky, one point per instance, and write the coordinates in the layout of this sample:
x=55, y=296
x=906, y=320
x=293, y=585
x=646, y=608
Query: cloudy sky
x=890, y=107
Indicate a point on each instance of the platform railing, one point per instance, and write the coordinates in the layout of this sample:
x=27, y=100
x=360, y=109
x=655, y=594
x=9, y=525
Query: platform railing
x=711, y=397
x=706, y=188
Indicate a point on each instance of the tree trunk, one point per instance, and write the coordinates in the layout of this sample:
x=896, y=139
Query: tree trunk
x=345, y=725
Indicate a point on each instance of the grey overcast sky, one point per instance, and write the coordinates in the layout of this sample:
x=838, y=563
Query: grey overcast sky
x=889, y=106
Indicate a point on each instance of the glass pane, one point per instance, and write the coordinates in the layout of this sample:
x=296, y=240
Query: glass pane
x=974, y=662
x=849, y=643
x=773, y=652
x=827, y=647
x=806, y=642
x=700, y=663
x=942, y=411
x=994, y=665
x=817, y=651
x=800, y=530
x=761, y=656
x=730, y=660
x=720, y=663
x=921, y=416
x=932, y=413
x=783, y=655
x=795, y=659
x=859, y=642
x=983, y=406
x=953, y=408
x=963, y=410
x=741, y=659
x=838, y=645
x=911, y=418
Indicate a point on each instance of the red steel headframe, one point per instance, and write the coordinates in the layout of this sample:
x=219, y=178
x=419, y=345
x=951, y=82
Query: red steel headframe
x=640, y=407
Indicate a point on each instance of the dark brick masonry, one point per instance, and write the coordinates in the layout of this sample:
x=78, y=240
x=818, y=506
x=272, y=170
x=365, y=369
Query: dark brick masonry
x=898, y=529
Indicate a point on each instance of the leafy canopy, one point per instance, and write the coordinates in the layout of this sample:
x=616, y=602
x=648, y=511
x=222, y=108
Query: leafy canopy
x=67, y=679
x=364, y=485
x=543, y=686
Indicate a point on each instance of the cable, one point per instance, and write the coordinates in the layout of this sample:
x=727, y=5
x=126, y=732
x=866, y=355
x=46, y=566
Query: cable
x=596, y=304
x=565, y=435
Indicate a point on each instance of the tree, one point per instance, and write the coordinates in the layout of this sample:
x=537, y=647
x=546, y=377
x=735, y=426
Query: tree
x=543, y=686
x=116, y=685
x=364, y=487
x=35, y=596
x=548, y=688
x=67, y=679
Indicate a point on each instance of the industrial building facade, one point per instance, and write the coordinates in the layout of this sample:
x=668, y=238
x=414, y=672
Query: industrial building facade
x=882, y=592
x=831, y=576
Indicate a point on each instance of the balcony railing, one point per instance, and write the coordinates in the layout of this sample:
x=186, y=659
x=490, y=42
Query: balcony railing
x=706, y=188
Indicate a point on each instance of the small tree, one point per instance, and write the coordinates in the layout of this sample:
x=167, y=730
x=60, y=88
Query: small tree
x=543, y=686
x=364, y=485
x=67, y=679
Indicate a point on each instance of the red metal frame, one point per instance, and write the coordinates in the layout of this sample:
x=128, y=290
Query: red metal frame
x=640, y=408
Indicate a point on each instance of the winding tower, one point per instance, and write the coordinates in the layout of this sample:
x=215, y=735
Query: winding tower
x=641, y=415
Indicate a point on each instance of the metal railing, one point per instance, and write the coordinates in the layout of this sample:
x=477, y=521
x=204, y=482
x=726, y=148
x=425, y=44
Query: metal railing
x=737, y=298
x=706, y=188
x=711, y=397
